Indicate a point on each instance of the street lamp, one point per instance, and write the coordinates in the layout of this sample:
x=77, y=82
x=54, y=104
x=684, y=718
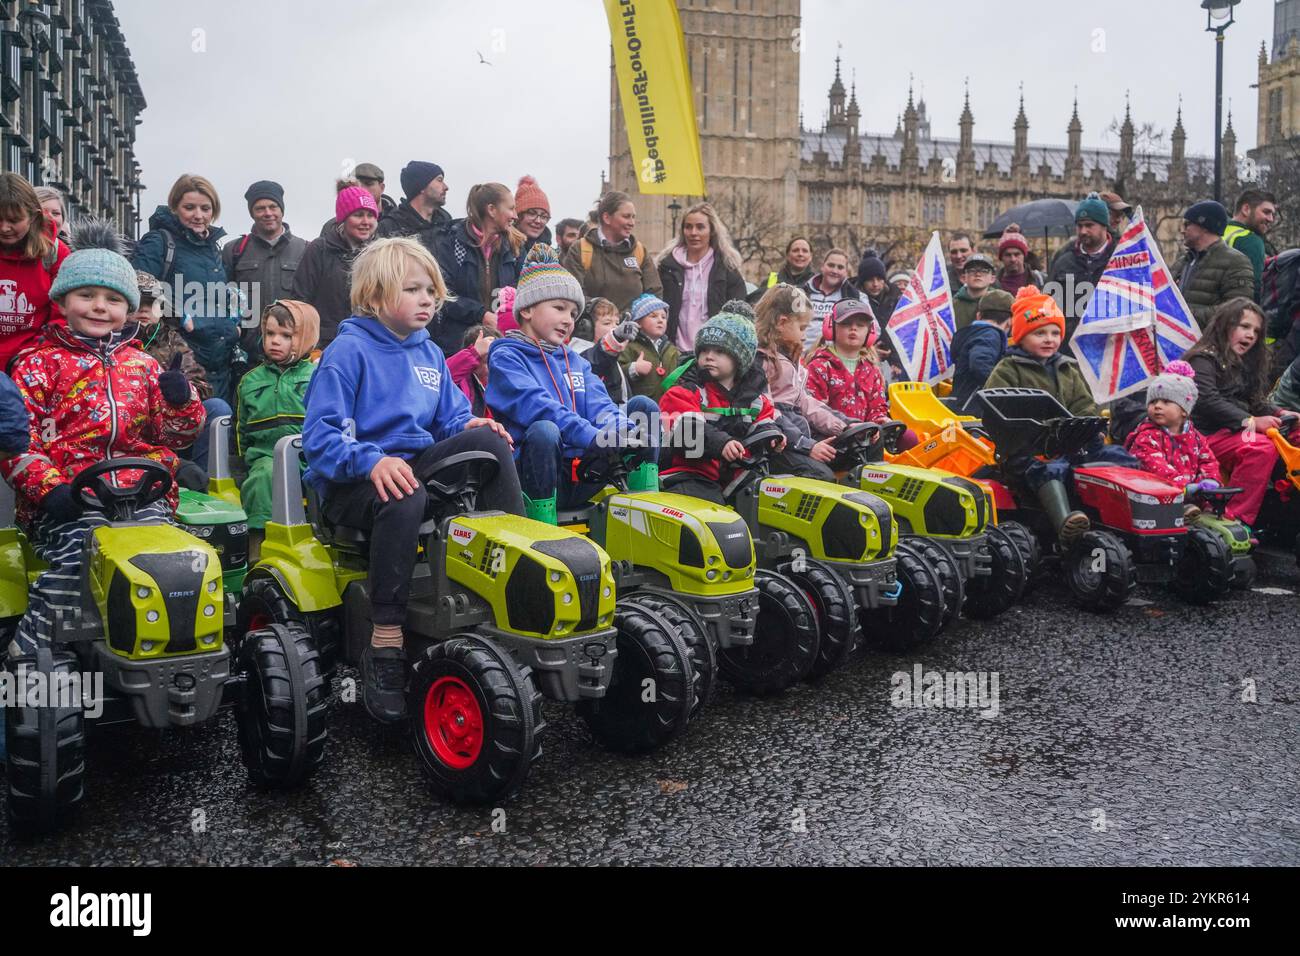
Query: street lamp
x=1219, y=15
x=675, y=208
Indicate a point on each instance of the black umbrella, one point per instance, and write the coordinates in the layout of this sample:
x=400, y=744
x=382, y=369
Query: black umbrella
x=1042, y=217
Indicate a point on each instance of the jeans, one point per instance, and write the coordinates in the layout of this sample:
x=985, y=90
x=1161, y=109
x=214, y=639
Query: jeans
x=544, y=471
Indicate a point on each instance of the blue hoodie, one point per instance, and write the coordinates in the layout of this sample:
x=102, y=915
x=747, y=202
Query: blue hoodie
x=373, y=396
x=521, y=391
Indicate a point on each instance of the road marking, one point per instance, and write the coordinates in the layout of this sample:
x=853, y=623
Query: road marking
x=1273, y=592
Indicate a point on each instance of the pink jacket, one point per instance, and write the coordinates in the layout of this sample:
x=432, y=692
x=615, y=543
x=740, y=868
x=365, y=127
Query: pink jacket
x=1178, y=459
x=788, y=385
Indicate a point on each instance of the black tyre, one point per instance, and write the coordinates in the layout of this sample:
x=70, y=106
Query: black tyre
x=698, y=640
x=1244, y=573
x=652, y=692
x=45, y=748
x=264, y=602
x=941, y=559
x=1100, y=571
x=917, y=618
x=785, y=644
x=1205, y=572
x=836, y=613
x=281, y=715
x=476, y=717
x=989, y=595
x=1031, y=552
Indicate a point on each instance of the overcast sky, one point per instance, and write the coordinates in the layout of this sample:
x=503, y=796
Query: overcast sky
x=295, y=90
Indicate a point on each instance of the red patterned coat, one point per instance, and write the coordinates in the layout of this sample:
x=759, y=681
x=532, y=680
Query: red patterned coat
x=84, y=406
x=1178, y=459
x=859, y=395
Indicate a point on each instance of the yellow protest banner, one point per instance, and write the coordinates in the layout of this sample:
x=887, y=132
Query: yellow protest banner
x=654, y=84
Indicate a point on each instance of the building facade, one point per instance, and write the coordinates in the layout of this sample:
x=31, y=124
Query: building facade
x=843, y=185
x=70, y=101
x=1279, y=78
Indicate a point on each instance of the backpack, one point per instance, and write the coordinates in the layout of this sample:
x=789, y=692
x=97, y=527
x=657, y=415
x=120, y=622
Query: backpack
x=1279, y=295
x=588, y=251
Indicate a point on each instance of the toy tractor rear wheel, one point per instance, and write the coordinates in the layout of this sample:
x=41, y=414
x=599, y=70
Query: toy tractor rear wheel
x=264, y=602
x=281, y=715
x=45, y=747
x=835, y=612
x=941, y=559
x=1100, y=571
x=785, y=644
x=1027, y=544
x=1205, y=571
x=698, y=640
x=917, y=618
x=1244, y=573
x=475, y=719
x=989, y=595
x=652, y=691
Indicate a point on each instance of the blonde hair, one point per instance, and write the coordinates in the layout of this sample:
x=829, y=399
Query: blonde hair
x=778, y=301
x=194, y=184
x=18, y=196
x=379, y=273
x=719, y=237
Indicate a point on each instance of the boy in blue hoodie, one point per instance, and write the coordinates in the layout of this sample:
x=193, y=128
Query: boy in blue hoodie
x=382, y=412
x=979, y=347
x=555, y=408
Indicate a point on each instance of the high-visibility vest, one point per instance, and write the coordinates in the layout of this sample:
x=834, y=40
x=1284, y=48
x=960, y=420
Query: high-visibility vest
x=1235, y=232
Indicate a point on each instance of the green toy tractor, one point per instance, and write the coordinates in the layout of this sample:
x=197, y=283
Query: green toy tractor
x=503, y=612
x=218, y=517
x=1202, y=560
x=147, y=645
x=944, y=518
x=690, y=560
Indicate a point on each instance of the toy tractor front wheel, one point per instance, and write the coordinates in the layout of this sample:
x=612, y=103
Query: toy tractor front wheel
x=1100, y=571
x=989, y=595
x=281, y=714
x=653, y=689
x=836, y=615
x=941, y=559
x=917, y=618
x=785, y=644
x=1205, y=571
x=45, y=746
x=475, y=719
x=698, y=640
x=264, y=602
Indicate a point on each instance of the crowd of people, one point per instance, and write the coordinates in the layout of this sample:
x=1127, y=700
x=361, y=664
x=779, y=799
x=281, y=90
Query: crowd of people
x=399, y=336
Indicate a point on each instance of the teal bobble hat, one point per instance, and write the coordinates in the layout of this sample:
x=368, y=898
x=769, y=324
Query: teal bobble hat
x=1093, y=209
x=98, y=261
x=543, y=279
x=732, y=333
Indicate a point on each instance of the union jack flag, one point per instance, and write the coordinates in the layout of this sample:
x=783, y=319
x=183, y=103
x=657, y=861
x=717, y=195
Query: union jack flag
x=1136, y=322
x=923, y=324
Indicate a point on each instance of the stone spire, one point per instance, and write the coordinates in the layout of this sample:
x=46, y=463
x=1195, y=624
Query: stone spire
x=1229, y=158
x=1127, y=168
x=837, y=118
x=1020, y=158
x=1178, y=141
x=911, y=157
x=854, y=113
x=966, y=151
x=1074, y=154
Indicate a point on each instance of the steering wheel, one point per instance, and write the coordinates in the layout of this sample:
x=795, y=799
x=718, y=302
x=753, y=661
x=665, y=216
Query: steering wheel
x=857, y=435
x=603, y=468
x=120, y=502
x=891, y=433
x=761, y=441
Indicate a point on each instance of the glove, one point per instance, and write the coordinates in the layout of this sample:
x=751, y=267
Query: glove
x=173, y=384
x=61, y=505
x=618, y=337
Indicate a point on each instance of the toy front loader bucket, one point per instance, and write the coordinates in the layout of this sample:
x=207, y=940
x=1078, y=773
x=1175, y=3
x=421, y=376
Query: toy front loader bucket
x=1289, y=453
x=951, y=449
x=1025, y=422
x=916, y=404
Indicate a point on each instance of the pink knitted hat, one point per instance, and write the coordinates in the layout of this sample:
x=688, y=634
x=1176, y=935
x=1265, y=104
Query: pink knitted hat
x=351, y=199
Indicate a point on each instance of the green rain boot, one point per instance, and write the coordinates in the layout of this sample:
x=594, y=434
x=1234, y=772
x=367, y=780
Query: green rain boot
x=645, y=478
x=543, y=510
x=1070, y=525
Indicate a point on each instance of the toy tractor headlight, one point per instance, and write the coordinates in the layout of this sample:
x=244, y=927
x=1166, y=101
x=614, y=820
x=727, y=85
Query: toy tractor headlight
x=202, y=531
x=236, y=529
x=1138, y=498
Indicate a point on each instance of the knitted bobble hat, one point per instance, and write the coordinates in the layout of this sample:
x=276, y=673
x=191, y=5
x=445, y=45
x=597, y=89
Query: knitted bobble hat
x=731, y=333
x=646, y=304
x=543, y=279
x=1033, y=310
x=1177, y=384
x=1093, y=209
x=99, y=262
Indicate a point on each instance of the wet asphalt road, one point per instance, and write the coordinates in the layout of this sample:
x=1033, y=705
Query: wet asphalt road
x=1120, y=740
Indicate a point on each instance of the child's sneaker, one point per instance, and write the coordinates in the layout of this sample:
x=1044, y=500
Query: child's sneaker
x=383, y=683
x=1076, y=525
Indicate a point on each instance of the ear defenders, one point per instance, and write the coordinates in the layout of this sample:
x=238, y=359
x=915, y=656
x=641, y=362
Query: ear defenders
x=846, y=309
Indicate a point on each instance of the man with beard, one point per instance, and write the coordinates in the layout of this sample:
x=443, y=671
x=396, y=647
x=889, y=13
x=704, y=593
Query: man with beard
x=1076, y=269
x=1256, y=213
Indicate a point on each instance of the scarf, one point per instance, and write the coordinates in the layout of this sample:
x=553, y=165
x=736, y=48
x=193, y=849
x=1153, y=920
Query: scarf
x=695, y=297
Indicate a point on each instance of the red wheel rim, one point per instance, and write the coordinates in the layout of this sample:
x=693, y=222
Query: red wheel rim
x=453, y=722
x=257, y=621
x=817, y=618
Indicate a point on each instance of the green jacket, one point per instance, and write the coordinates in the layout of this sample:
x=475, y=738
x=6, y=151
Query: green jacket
x=270, y=407
x=1059, y=375
x=652, y=385
x=1250, y=244
x=1212, y=278
x=1286, y=393
x=964, y=307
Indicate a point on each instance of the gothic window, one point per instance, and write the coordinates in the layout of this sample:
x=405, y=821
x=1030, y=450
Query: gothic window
x=933, y=209
x=876, y=211
x=1274, y=115
x=990, y=209
x=819, y=205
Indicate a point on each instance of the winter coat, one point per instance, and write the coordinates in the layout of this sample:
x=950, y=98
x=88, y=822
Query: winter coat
x=1058, y=376
x=85, y=405
x=1178, y=459
x=324, y=280
x=976, y=350
x=527, y=383
x=964, y=307
x=883, y=305
x=1210, y=278
x=25, y=305
x=1286, y=393
x=374, y=395
x=725, y=284
x=461, y=259
x=164, y=342
x=462, y=366
x=744, y=404
x=1085, y=268
x=662, y=356
x=787, y=386
x=270, y=407
x=619, y=271
x=606, y=365
x=859, y=394
x=1223, y=401
x=1250, y=244
x=14, y=435
x=252, y=263
x=404, y=221
x=782, y=276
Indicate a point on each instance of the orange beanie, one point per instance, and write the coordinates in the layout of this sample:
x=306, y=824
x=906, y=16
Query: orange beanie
x=1033, y=310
